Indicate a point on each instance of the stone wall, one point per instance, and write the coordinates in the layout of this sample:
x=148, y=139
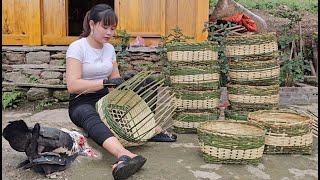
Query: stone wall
x=40, y=70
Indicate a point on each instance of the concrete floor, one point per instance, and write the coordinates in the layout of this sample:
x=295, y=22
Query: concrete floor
x=166, y=161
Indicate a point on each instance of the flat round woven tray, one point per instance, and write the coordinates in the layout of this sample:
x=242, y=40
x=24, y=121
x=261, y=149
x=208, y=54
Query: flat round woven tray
x=235, y=142
x=128, y=116
x=287, y=132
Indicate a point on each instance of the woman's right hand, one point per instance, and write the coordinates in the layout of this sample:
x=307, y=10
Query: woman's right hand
x=112, y=83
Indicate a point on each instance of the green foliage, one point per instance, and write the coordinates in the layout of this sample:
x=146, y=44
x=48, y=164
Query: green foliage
x=297, y=5
x=292, y=70
x=212, y=3
x=11, y=98
x=124, y=38
x=64, y=62
x=293, y=67
x=220, y=38
x=45, y=104
x=176, y=36
x=33, y=79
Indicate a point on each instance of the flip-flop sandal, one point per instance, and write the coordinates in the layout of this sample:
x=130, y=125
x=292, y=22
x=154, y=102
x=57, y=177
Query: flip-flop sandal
x=164, y=137
x=128, y=167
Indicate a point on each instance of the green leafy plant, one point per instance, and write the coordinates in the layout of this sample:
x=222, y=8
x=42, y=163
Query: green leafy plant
x=46, y=103
x=11, y=98
x=220, y=38
x=176, y=36
x=124, y=38
x=33, y=79
x=292, y=70
x=293, y=62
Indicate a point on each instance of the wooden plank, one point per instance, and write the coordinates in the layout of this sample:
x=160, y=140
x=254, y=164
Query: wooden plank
x=54, y=18
x=171, y=19
x=34, y=22
x=201, y=18
x=58, y=40
x=163, y=18
x=186, y=16
x=20, y=22
x=315, y=55
x=15, y=39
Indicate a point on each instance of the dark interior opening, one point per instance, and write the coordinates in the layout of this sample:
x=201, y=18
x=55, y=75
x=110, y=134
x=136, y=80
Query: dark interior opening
x=77, y=9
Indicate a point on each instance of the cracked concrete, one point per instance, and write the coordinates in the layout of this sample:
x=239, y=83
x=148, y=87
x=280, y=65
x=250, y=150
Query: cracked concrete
x=180, y=160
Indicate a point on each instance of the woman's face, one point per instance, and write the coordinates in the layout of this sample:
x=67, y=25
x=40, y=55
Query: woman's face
x=102, y=33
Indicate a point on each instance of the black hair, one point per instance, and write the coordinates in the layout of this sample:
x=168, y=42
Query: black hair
x=99, y=13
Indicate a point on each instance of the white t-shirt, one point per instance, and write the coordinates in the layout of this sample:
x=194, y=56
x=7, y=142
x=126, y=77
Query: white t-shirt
x=96, y=63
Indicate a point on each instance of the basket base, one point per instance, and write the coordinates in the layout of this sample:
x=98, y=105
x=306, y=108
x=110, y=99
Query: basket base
x=210, y=159
x=269, y=149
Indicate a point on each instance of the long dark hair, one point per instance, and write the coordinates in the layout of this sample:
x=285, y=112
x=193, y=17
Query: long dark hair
x=99, y=13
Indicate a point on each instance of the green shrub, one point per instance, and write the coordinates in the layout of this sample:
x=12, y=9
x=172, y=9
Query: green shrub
x=10, y=99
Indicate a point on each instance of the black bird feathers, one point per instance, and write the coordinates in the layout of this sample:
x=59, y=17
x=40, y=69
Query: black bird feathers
x=48, y=149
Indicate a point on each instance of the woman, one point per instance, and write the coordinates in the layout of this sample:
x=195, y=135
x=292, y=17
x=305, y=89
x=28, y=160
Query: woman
x=90, y=69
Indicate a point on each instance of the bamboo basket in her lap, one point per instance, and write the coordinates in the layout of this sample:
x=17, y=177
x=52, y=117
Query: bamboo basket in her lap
x=287, y=132
x=231, y=142
x=253, y=44
x=134, y=109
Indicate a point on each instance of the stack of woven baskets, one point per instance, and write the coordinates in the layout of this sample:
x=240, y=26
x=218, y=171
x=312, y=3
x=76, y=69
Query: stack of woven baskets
x=194, y=78
x=254, y=70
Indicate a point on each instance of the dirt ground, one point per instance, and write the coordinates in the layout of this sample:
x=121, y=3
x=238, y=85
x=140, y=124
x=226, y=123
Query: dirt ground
x=309, y=23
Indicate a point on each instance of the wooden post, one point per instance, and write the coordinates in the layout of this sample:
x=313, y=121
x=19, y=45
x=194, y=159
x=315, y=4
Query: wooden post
x=315, y=55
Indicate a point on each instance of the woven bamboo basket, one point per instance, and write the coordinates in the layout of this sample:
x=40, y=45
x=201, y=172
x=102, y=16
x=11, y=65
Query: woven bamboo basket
x=192, y=51
x=253, y=97
x=188, y=121
x=199, y=82
x=197, y=99
x=262, y=43
x=231, y=142
x=263, y=76
x=133, y=112
x=254, y=57
x=287, y=132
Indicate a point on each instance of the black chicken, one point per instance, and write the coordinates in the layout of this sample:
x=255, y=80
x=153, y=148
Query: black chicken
x=48, y=149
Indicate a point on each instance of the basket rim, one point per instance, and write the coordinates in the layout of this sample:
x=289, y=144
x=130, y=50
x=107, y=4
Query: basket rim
x=260, y=129
x=252, y=116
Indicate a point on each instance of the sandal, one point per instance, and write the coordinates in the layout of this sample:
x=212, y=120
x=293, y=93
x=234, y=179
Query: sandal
x=128, y=167
x=164, y=136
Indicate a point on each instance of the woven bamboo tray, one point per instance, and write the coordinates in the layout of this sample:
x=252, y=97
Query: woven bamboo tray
x=287, y=132
x=231, y=142
x=255, y=44
x=188, y=121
